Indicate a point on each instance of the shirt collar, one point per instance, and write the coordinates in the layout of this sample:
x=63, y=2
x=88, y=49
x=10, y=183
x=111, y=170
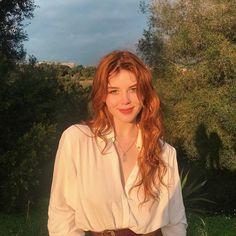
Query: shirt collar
x=111, y=137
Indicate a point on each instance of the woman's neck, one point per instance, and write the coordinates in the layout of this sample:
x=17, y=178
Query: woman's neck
x=126, y=130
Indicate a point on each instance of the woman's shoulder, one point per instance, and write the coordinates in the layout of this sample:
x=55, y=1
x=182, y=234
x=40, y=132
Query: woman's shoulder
x=78, y=131
x=167, y=147
x=168, y=152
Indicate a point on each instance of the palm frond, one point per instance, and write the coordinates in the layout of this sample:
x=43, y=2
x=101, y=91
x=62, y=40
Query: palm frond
x=193, y=194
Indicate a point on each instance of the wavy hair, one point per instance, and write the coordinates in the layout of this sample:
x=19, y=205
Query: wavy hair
x=152, y=167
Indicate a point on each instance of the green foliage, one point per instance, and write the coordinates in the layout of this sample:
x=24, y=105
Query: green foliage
x=88, y=72
x=76, y=98
x=193, y=193
x=200, y=123
x=221, y=189
x=204, y=118
x=196, y=42
x=79, y=73
x=37, y=103
x=30, y=223
x=150, y=48
x=196, y=81
x=211, y=225
x=12, y=17
x=198, y=36
x=21, y=167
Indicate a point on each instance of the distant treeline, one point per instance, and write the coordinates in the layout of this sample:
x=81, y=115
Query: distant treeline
x=78, y=72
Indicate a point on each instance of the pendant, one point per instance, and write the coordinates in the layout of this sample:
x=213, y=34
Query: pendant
x=124, y=157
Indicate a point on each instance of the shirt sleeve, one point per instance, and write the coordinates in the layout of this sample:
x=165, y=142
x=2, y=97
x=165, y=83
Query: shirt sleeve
x=61, y=212
x=177, y=218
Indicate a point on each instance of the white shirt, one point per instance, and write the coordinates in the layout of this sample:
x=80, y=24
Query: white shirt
x=87, y=192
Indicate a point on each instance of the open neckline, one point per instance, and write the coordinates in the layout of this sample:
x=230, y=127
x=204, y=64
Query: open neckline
x=125, y=182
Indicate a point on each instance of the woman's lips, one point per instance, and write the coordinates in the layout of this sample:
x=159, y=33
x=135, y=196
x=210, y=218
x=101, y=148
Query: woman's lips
x=126, y=111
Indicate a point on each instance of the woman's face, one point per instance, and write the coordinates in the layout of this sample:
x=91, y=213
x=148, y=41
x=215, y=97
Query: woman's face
x=122, y=100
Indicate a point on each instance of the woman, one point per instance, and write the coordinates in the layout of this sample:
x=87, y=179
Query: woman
x=114, y=175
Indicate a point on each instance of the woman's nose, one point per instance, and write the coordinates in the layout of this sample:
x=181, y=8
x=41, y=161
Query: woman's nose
x=125, y=98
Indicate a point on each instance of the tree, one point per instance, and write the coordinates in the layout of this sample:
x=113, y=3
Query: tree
x=150, y=48
x=198, y=50
x=198, y=87
x=35, y=107
x=12, y=17
x=200, y=34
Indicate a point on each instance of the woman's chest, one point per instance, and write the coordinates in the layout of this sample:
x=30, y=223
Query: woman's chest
x=99, y=175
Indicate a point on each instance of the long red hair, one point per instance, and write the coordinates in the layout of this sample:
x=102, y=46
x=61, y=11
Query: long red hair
x=150, y=161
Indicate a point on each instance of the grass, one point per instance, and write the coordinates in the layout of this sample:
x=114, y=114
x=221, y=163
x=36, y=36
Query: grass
x=35, y=224
x=16, y=225
x=212, y=225
x=28, y=224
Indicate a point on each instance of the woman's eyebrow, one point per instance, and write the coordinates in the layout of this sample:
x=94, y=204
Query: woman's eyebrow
x=134, y=85
x=113, y=87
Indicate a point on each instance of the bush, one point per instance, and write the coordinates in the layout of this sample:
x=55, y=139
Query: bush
x=22, y=167
x=36, y=105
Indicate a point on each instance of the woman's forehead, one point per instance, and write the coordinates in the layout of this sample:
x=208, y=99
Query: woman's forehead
x=123, y=76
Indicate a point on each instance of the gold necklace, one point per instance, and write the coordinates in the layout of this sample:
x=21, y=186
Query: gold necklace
x=124, y=152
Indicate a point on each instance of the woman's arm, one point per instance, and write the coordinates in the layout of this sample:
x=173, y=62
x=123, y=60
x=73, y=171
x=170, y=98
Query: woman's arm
x=177, y=218
x=61, y=212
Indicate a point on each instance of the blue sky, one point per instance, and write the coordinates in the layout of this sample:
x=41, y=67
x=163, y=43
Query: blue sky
x=82, y=31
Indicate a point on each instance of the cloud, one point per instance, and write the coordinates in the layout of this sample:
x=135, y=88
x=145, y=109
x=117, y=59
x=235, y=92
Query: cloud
x=83, y=30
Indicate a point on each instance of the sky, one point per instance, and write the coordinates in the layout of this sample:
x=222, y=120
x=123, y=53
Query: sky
x=82, y=31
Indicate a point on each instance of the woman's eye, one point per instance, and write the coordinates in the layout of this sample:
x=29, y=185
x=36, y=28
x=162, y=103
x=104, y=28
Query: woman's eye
x=113, y=91
x=133, y=90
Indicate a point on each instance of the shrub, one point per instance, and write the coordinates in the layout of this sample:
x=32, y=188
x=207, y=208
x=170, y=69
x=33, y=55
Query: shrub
x=21, y=167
